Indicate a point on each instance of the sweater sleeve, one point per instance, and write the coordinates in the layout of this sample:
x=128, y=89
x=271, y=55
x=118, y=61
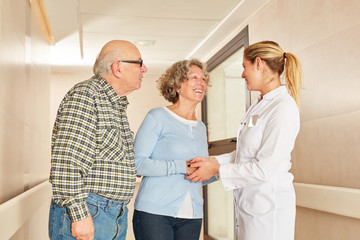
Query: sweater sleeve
x=146, y=140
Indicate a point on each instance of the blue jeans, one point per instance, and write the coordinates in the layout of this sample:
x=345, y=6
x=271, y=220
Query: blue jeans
x=109, y=217
x=149, y=226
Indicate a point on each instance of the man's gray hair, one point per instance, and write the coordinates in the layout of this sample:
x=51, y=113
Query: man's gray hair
x=102, y=65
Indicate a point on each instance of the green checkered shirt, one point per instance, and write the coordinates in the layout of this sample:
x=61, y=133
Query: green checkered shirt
x=92, y=148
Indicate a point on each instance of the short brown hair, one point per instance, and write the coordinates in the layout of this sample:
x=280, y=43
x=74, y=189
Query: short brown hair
x=171, y=80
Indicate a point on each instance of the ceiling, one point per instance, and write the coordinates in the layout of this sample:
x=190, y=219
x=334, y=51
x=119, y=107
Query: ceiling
x=175, y=30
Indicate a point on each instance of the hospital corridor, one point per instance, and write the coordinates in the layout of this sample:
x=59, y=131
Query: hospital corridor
x=48, y=46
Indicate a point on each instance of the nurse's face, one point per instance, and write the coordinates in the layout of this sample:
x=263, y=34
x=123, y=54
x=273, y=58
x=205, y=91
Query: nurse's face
x=252, y=75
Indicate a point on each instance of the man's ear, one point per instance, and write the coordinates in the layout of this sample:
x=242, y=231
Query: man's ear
x=116, y=68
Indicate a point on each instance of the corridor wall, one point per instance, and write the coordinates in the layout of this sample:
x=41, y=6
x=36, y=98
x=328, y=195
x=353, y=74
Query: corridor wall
x=24, y=108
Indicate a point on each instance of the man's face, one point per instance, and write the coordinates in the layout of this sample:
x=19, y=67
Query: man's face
x=132, y=73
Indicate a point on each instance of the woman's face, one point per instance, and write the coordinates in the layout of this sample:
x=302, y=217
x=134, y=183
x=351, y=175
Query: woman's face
x=193, y=89
x=252, y=75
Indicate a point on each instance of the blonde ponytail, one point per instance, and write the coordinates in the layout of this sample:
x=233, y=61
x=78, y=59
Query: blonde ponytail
x=293, y=76
x=278, y=60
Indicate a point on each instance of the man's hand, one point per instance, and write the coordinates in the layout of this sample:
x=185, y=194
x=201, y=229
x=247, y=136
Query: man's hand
x=207, y=167
x=83, y=229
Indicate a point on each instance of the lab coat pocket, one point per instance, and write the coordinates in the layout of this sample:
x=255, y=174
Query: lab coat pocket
x=258, y=200
x=252, y=134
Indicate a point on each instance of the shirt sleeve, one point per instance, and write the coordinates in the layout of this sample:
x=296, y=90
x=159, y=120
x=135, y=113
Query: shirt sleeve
x=73, y=151
x=145, y=142
x=277, y=143
x=226, y=158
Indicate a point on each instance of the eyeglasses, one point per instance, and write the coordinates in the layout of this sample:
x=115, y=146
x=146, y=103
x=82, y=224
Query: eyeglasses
x=133, y=61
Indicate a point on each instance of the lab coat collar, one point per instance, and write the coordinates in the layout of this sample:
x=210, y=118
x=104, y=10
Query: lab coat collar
x=277, y=91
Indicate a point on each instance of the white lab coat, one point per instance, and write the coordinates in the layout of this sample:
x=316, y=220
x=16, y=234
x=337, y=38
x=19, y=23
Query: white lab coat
x=257, y=170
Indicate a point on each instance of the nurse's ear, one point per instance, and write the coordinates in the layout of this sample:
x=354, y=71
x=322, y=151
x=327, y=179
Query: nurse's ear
x=258, y=63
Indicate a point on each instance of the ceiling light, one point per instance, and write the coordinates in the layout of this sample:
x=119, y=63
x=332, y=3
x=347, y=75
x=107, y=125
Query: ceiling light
x=144, y=43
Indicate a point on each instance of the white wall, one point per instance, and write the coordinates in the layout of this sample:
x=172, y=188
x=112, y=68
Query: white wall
x=24, y=108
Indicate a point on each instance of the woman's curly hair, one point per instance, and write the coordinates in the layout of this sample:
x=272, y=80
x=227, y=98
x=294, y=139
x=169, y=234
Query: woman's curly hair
x=170, y=82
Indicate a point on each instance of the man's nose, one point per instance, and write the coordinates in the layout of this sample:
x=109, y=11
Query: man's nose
x=143, y=68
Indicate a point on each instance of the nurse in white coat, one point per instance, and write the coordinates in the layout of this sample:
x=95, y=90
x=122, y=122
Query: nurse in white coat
x=258, y=170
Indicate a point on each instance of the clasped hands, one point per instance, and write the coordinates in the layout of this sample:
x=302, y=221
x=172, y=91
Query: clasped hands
x=201, y=168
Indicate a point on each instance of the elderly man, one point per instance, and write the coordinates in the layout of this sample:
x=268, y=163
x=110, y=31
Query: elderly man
x=92, y=161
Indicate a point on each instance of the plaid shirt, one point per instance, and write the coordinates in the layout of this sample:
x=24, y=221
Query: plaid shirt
x=92, y=148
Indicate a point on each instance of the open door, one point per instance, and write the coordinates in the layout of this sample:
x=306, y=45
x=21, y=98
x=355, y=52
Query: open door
x=223, y=108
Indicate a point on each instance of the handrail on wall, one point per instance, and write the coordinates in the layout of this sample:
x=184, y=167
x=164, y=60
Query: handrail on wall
x=337, y=200
x=15, y=212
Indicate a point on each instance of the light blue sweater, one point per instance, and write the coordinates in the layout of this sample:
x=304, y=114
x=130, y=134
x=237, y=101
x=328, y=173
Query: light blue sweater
x=162, y=145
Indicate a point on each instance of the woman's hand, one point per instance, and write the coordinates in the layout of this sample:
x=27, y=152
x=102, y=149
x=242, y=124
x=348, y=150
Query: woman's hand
x=207, y=167
x=190, y=170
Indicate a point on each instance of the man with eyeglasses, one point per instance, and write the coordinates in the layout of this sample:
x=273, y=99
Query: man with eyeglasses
x=92, y=154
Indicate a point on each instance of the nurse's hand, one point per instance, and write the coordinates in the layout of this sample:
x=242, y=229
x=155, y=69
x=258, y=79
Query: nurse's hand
x=208, y=167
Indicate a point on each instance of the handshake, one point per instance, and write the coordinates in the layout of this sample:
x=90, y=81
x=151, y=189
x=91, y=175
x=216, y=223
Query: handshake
x=189, y=169
x=201, y=168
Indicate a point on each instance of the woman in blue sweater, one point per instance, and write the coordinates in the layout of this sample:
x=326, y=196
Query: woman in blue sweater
x=168, y=206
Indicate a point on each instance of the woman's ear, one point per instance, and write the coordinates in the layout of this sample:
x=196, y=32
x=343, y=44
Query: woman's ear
x=258, y=63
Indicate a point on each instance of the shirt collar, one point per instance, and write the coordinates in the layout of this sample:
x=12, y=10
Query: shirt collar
x=117, y=101
x=277, y=91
